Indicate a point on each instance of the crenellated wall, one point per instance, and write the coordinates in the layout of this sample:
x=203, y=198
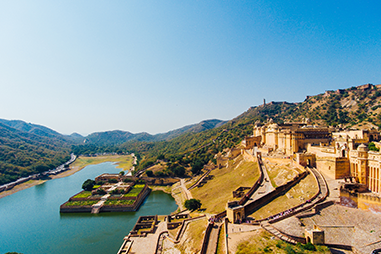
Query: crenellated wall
x=364, y=201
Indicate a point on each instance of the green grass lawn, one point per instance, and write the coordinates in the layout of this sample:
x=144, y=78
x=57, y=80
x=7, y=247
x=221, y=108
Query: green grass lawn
x=84, y=194
x=135, y=190
x=217, y=192
x=119, y=202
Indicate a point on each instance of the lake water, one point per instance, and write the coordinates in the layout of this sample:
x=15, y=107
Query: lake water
x=30, y=221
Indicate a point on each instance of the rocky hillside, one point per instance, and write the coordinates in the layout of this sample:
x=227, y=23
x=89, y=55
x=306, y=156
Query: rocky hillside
x=353, y=107
x=357, y=107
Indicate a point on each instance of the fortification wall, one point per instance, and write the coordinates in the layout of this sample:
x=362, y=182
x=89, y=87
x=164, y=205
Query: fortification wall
x=250, y=208
x=367, y=202
x=334, y=167
x=370, y=203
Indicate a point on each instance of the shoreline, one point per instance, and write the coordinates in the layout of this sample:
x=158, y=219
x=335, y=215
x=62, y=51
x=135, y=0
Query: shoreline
x=32, y=183
x=71, y=171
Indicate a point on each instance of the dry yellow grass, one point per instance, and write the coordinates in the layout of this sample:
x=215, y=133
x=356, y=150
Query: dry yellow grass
x=192, y=240
x=217, y=192
x=124, y=161
x=304, y=190
x=280, y=171
x=263, y=242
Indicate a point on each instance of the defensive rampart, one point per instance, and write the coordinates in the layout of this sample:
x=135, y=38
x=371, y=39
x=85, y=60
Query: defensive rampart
x=364, y=201
x=280, y=190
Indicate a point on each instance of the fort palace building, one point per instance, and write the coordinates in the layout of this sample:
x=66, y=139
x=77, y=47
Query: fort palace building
x=340, y=154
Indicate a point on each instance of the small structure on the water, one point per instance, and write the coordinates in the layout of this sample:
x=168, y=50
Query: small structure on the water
x=112, y=196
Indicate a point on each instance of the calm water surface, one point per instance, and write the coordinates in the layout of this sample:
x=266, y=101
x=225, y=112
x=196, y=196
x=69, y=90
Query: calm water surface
x=30, y=221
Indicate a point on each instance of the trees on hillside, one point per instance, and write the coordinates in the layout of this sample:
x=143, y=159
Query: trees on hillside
x=197, y=167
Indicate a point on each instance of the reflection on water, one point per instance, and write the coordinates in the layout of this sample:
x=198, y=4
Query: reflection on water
x=31, y=223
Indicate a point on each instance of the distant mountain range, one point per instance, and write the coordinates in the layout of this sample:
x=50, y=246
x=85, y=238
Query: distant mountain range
x=119, y=137
x=25, y=146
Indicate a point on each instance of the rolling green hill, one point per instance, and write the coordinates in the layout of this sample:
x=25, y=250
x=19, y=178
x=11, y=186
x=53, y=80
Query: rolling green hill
x=23, y=153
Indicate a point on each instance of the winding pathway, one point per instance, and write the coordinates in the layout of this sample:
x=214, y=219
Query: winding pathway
x=188, y=194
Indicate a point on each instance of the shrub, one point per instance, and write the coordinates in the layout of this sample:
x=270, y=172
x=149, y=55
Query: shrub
x=88, y=185
x=116, y=191
x=192, y=204
x=309, y=246
x=160, y=173
x=81, y=203
x=119, y=202
x=112, y=180
x=372, y=147
x=179, y=171
x=101, y=191
x=289, y=250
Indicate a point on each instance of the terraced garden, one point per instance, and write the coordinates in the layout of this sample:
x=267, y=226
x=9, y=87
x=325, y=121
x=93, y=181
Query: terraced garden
x=135, y=190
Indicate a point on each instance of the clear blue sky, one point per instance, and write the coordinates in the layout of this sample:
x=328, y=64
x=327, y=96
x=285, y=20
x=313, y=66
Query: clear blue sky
x=87, y=66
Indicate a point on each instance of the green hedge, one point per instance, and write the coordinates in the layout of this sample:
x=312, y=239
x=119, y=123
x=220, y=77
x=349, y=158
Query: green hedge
x=82, y=203
x=119, y=202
